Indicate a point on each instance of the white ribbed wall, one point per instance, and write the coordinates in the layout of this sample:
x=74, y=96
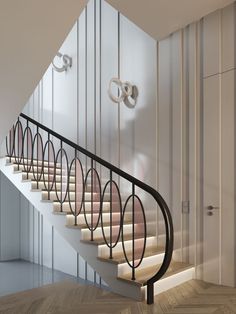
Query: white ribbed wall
x=76, y=105
x=196, y=67
x=25, y=234
x=161, y=140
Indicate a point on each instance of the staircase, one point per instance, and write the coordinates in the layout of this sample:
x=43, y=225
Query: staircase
x=80, y=194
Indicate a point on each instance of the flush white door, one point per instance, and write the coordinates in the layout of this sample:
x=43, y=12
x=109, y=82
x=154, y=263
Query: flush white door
x=211, y=179
x=219, y=179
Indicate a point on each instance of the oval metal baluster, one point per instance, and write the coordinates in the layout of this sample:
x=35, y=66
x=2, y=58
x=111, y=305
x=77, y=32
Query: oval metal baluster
x=114, y=235
x=61, y=177
x=19, y=145
x=75, y=188
x=64, y=176
x=91, y=201
x=139, y=232
x=39, y=142
x=28, y=139
x=37, y=158
x=133, y=268
x=96, y=207
x=27, y=147
x=134, y=247
x=76, y=203
x=111, y=215
x=49, y=161
x=10, y=147
x=48, y=188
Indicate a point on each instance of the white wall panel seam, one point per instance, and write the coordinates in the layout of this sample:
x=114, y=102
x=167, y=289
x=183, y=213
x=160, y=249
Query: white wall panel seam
x=220, y=147
x=41, y=239
x=52, y=239
x=119, y=105
x=86, y=81
x=234, y=16
x=77, y=84
x=157, y=133
x=196, y=91
x=33, y=236
x=201, y=145
x=186, y=137
x=39, y=111
x=42, y=101
x=19, y=224
x=95, y=79
x=171, y=128
x=100, y=82
x=0, y=216
x=182, y=138
x=53, y=112
x=77, y=265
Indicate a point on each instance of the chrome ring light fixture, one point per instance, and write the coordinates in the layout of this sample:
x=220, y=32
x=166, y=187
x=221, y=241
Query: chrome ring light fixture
x=67, y=62
x=128, y=93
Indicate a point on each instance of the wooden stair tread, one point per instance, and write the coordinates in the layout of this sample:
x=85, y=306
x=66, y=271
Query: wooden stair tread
x=105, y=224
x=142, y=275
x=100, y=240
x=118, y=257
x=40, y=162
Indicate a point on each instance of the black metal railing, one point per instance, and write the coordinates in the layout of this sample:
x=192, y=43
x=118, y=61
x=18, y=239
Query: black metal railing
x=64, y=173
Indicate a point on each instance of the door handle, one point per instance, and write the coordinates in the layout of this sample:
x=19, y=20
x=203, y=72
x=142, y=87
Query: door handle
x=210, y=207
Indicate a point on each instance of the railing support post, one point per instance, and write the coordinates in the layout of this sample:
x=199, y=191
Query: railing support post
x=150, y=293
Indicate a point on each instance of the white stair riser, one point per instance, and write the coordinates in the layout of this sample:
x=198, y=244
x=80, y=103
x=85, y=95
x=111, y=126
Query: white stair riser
x=70, y=219
x=51, y=177
x=39, y=169
x=87, y=196
x=86, y=234
x=103, y=250
x=53, y=196
x=146, y=262
x=34, y=162
x=172, y=281
x=87, y=206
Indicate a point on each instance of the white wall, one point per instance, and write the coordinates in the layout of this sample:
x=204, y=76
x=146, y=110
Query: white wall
x=104, y=44
x=9, y=220
x=76, y=105
x=26, y=28
x=188, y=62
x=24, y=234
x=161, y=140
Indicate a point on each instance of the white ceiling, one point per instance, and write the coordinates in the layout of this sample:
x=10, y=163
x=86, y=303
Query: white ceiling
x=31, y=32
x=160, y=18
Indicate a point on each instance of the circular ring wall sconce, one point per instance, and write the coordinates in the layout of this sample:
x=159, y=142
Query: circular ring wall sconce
x=128, y=93
x=67, y=62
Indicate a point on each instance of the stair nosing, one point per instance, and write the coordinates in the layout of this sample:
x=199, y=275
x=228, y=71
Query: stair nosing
x=166, y=275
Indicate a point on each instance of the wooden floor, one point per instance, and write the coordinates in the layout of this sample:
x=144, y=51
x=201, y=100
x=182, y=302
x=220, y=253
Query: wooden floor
x=69, y=297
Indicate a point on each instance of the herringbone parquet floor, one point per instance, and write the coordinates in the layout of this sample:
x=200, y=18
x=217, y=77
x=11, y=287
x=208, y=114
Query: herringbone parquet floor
x=193, y=297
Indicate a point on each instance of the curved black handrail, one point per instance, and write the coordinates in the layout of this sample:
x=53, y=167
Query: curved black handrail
x=135, y=182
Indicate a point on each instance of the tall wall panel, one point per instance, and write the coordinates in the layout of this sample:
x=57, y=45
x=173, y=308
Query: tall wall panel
x=188, y=61
x=161, y=140
x=103, y=44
